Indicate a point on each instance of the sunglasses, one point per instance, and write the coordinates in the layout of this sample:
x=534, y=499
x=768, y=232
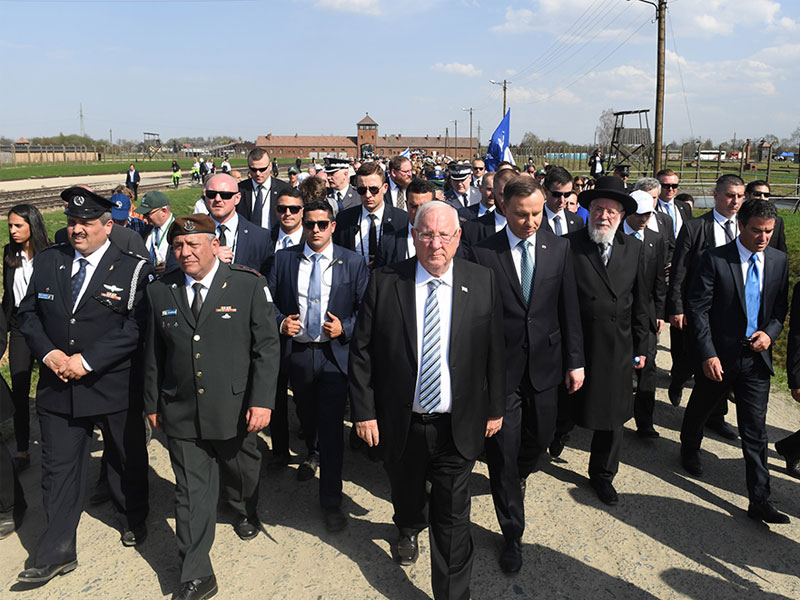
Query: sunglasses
x=670, y=186
x=282, y=208
x=760, y=194
x=478, y=168
x=560, y=194
x=211, y=194
x=259, y=169
x=373, y=189
x=323, y=225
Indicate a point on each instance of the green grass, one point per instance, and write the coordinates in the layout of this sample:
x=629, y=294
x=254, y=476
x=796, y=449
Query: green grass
x=100, y=168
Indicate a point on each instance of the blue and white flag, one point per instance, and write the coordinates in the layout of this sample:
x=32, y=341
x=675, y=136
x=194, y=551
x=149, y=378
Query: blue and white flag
x=406, y=152
x=498, y=146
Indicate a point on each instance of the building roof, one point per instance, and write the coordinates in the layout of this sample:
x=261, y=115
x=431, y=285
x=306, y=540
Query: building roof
x=338, y=141
x=367, y=121
x=22, y=140
x=428, y=141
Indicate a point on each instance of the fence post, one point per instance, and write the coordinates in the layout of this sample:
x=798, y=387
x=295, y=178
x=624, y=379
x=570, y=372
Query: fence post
x=769, y=162
x=683, y=156
x=719, y=161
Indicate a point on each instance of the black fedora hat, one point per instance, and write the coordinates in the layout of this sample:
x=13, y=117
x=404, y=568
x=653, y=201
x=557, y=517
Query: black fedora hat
x=611, y=187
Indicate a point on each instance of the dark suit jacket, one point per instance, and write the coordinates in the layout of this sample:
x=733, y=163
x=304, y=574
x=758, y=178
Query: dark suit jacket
x=124, y=238
x=573, y=222
x=655, y=256
x=716, y=303
x=475, y=231
x=6, y=403
x=383, y=356
x=8, y=288
x=615, y=320
x=105, y=328
x=245, y=206
x=347, y=223
x=793, y=341
x=392, y=250
x=473, y=197
x=469, y=213
x=350, y=198
x=253, y=246
x=349, y=276
x=132, y=180
x=544, y=336
x=684, y=209
x=695, y=238
x=778, y=239
x=203, y=375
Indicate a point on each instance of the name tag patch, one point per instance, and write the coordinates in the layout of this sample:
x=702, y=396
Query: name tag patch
x=169, y=312
x=45, y=296
x=226, y=309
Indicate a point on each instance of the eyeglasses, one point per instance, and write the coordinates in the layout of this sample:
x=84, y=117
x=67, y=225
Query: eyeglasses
x=760, y=194
x=599, y=210
x=478, y=168
x=406, y=172
x=282, y=208
x=211, y=194
x=670, y=186
x=373, y=189
x=428, y=237
x=259, y=169
x=323, y=225
x=560, y=194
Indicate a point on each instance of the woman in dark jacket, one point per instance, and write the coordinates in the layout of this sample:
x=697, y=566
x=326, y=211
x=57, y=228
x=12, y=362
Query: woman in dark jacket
x=27, y=237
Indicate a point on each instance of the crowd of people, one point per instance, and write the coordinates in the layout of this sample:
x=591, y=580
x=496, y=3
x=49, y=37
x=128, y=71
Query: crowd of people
x=448, y=312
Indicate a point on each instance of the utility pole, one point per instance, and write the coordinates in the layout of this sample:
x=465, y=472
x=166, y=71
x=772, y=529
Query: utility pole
x=455, y=145
x=661, y=17
x=505, y=90
x=479, y=138
x=83, y=130
x=469, y=110
x=446, y=134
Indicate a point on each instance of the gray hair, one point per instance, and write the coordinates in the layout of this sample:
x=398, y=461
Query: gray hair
x=647, y=184
x=434, y=205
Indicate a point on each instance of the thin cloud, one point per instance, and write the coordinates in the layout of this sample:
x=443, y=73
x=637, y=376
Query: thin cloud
x=362, y=7
x=456, y=68
x=517, y=21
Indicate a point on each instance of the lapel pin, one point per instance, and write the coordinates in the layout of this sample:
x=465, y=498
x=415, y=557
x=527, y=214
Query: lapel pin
x=174, y=286
x=61, y=267
x=224, y=285
x=245, y=230
x=464, y=289
x=544, y=247
x=111, y=268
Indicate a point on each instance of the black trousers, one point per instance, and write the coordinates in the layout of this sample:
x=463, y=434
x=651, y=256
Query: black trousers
x=604, y=454
x=20, y=364
x=197, y=465
x=748, y=377
x=11, y=495
x=431, y=453
x=514, y=451
x=240, y=475
x=320, y=389
x=682, y=366
x=65, y=459
x=789, y=446
x=279, y=422
x=644, y=401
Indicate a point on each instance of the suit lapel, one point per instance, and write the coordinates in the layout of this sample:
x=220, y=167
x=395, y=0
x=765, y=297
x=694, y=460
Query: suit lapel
x=405, y=288
x=178, y=289
x=215, y=292
x=769, y=289
x=293, y=271
x=64, y=277
x=736, y=272
x=99, y=276
x=619, y=249
x=593, y=256
x=507, y=262
x=460, y=298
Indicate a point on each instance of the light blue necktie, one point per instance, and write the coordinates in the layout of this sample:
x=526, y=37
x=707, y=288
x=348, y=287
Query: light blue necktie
x=674, y=220
x=752, y=296
x=637, y=235
x=526, y=270
x=557, y=224
x=313, y=313
x=430, y=373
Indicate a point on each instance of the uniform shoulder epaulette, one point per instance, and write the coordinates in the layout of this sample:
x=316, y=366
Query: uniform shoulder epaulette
x=243, y=269
x=55, y=246
x=134, y=255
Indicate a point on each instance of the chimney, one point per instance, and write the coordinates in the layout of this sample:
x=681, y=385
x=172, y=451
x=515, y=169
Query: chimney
x=269, y=136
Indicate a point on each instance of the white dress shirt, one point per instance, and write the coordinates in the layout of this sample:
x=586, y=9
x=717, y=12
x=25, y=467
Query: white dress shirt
x=293, y=238
x=266, y=208
x=92, y=261
x=231, y=231
x=205, y=281
x=162, y=248
x=744, y=259
x=200, y=207
x=676, y=214
x=304, y=280
x=444, y=297
x=22, y=276
x=482, y=210
x=516, y=252
x=499, y=221
x=652, y=224
x=630, y=230
x=720, y=238
x=362, y=233
x=550, y=219
x=393, y=187
x=411, y=249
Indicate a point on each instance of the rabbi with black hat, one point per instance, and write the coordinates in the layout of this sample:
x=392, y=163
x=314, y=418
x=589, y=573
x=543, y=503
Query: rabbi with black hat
x=83, y=317
x=609, y=271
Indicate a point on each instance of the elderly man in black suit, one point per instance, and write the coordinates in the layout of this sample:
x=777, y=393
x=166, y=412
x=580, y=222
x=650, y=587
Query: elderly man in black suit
x=83, y=319
x=558, y=188
x=789, y=447
x=543, y=348
x=737, y=303
x=609, y=271
x=260, y=192
x=400, y=245
x=427, y=383
x=341, y=195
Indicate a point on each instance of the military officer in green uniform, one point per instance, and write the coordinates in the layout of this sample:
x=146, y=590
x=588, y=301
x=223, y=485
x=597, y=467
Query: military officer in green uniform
x=212, y=357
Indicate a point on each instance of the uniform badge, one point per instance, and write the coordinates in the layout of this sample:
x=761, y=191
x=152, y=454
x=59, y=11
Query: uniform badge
x=169, y=312
x=78, y=200
x=45, y=296
x=226, y=309
x=464, y=289
x=189, y=226
x=226, y=316
x=112, y=288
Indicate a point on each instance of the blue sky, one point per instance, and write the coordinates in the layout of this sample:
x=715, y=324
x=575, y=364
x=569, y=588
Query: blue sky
x=248, y=68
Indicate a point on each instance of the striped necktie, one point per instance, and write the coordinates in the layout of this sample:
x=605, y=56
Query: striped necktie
x=430, y=373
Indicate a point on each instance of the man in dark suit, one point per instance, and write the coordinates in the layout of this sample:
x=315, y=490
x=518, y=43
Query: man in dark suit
x=260, y=192
x=399, y=245
x=760, y=189
x=478, y=173
x=680, y=212
x=789, y=447
x=12, y=497
x=317, y=288
x=400, y=175
x=461, y=194
x=82, y=317
x=210, y=367
x=366, y=228
x=341, y=194
x=558, y=188
x=288, y=231
x=486, y=204
x=715, y=228
x=543, y=348
x=132, y=179
x=737, y=304
x=241, y=241
x=473, y=232
x=635, y=225
x=609, y=271
x=427, y=383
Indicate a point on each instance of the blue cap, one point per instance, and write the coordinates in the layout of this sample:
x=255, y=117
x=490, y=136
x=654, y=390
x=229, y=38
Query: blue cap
x=121, y=207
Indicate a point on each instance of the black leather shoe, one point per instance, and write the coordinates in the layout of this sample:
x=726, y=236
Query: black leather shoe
x=407, y=550
x=691, y=462
x=793, y=467
x=7, y=524
x=198, y=589
x=101, y=494
x=511, y=556
x=135, y=535
x=309, y=467
x=557, y=445
x=764, y=511
x=605, y=491
x=675, y=392
x=246, y=528
x=46, y=573
x=278, y=461
x=722, y=429
x=647, y=433
x=335, y=520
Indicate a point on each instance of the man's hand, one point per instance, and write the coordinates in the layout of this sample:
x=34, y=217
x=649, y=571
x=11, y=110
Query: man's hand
x=574, y=380
x=368, y=431
x=55, y=361
x=712, y=369
x=257, y=418
x=225, y=254
x=640, y=363
x=493, y=426
x=659, y=325
x=291, y=325
x=796, y=395
x=332, y=328
x=73, y=368
x=759, y=341
x=155, y=420
x=678, y=321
